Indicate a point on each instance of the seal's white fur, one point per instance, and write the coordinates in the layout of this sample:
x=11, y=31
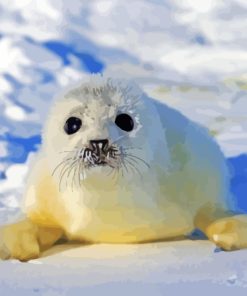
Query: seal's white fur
x=182, y=170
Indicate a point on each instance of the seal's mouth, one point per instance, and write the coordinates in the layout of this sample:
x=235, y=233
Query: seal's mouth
x=98, y=163
x=120, y=161
x=95, y=157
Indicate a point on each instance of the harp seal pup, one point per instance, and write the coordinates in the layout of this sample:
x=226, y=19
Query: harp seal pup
x=117, y=166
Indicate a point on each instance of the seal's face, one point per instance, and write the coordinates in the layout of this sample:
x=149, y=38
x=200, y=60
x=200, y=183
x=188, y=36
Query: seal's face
x=98, y=127
x=99, y=152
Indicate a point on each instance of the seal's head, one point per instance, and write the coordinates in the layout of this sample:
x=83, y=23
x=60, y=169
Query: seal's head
x=102, y=124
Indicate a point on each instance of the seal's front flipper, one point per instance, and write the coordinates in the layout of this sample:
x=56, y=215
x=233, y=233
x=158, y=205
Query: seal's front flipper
x=229, y=233
x=226, y=230
x=19, y=241
x=24, y=240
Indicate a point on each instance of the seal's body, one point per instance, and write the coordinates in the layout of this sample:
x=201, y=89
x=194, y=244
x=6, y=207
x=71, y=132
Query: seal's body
x=117, y=166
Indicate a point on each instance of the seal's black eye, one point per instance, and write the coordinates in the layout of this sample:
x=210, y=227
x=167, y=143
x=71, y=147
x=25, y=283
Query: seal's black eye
x=72, y=125
x=125, y=122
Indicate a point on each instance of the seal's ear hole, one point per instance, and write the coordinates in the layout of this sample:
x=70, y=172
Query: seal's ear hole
x=72, y=125
x=125, y=122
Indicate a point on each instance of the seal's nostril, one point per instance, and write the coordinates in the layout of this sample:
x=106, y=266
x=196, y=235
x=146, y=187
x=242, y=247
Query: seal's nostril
x=99, y=145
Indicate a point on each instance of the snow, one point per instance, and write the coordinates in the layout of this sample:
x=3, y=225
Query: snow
x=190, y=54
x=171, y=268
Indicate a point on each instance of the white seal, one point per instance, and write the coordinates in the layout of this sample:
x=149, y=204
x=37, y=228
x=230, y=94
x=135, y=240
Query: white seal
x=117, y=166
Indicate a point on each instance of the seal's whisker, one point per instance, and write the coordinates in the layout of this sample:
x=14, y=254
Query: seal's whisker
x=134, y=167
x=62, y=175
x=132, y=159
x=72, y=165
x=73, y=150
x=124, y=165
x=137, y=158
x=74, y=176
x=113, y=162
x=111, y=172
x=120, y=167
x=128, y=165
x=62, y=162
x=79, y=172
x=112, y=166
x=78, y=175
x=84, y=172
x=131, y=148
x=67, y=151
x=116, y=174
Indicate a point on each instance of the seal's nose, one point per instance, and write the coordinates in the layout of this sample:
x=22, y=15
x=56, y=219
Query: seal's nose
x=99, y=145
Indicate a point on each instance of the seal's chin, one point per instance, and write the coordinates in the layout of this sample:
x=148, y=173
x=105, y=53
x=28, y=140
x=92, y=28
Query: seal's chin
x=100, y=163
x=101, y=167
x=99, y=170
